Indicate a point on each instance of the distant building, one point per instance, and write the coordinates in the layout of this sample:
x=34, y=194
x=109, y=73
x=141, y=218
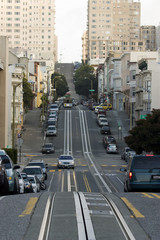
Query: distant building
x=30, y=26
x=158, y=36
x=148, y=34
x=113, y=26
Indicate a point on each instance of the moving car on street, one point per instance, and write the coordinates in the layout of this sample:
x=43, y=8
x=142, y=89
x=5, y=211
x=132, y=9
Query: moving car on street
x=48, y=148
x=51, y=131
x=65, y=161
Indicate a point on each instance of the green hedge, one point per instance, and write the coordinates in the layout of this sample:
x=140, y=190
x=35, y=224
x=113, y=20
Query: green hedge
x=12, y=153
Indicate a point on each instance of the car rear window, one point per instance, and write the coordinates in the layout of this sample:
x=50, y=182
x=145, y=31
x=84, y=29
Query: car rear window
x=146, y=162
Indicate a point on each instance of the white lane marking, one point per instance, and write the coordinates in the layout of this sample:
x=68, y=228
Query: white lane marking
x=62, y=183
x=84, y=142
x=50, y=183
x=88, y=222
x=69, y=180
x=64, y=132
x=50, y=217
x=44, y=221
x=80, y=223
x=120, y=180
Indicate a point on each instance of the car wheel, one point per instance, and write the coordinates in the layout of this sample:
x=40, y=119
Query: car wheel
x=15, y=191
x=5, y=188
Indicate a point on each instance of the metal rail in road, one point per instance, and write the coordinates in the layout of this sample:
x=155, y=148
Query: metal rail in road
x=84, y=216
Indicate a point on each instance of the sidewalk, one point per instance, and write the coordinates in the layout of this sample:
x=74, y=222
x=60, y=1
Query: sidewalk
x=32, y=136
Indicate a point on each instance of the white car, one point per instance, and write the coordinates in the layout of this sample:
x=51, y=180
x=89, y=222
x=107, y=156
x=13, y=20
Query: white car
x=65, y=161
x=103, y=122
x=21, y=182
x=35, y=183
x=51, y=131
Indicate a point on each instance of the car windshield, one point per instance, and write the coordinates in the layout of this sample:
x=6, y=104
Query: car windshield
x=146, y=162
x=36, y=164
x=51, y=128
x=31, y=179
x=6, y=163
x=48, y=145
x=66, y=157
x=32, y=171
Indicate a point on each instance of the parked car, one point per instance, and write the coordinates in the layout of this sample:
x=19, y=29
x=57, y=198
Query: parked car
x=107, y=140
x=35, y=183
x=48, y=148
x=97, y=109
x=124, y=152
x=111, y=148
x=41, y=164
x=11, y=174
x=27, y=183
x=35, y=170
x=105, y=130
x=2, y=152
x=21, y=182
x=4, y=185
x=51, y=131
x=65, y=161
x=142, y=173
x=103, y=122
x=51, y=122
x=54, y=107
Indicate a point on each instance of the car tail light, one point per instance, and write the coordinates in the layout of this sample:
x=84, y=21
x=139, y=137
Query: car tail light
x=130, y=175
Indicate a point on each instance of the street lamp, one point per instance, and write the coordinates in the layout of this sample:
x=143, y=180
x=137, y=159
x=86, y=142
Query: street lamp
x=13, y=116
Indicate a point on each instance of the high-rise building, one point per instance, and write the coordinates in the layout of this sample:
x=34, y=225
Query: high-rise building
x=113, y=26
x=148, y=34
x=30, y=26
x=158, y=36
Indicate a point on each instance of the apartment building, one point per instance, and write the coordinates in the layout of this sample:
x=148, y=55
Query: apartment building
x=113, y=26
x=30, y=27
x=148, y=34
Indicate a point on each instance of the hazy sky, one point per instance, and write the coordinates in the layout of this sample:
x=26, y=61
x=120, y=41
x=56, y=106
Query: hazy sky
x=71, y=18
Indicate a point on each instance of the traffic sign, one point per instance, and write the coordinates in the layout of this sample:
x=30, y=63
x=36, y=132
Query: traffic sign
x=143, y=116
x=91, y=90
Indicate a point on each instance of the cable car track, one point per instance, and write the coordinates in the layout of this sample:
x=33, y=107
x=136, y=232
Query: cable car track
x=88, y=207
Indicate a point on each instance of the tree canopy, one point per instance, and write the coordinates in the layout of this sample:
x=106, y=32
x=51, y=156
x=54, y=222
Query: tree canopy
x=27, y=94
x=145, y=136
x=85, y=79
x=59, y=83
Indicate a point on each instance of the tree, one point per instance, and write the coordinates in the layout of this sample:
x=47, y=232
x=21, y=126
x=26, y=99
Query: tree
x=85, y=80
x=59, y=83
x=145, y=136
x=27, y=94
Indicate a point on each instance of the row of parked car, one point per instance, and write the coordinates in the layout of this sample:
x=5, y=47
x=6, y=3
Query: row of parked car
x=109, y=141
x=14, y=180
x=51, y=127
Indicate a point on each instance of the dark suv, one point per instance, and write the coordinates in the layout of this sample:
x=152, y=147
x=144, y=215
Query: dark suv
x=142, y=173
x=4, y=186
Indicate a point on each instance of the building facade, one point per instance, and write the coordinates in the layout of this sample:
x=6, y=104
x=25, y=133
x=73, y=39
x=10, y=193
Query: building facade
x=148, y=34
x=30, y=27
x=113, y=26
